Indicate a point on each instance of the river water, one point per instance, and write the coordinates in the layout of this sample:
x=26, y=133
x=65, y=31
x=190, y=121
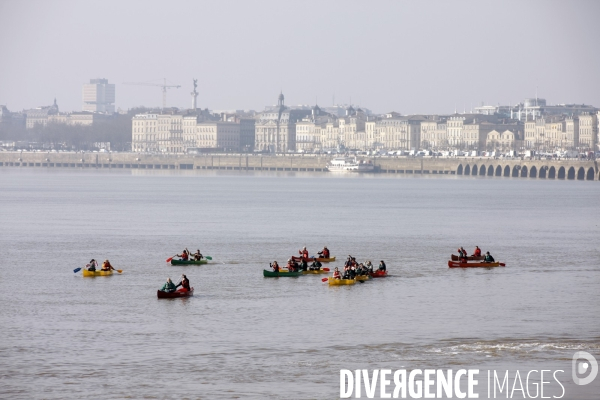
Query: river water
x=244, y=336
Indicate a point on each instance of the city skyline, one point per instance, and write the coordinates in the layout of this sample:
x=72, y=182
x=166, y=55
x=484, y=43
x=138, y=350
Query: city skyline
x=406, y=57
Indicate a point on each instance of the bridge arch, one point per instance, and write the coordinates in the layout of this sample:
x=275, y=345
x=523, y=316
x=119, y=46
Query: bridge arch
x=474, y=170
x=552, y=173
x=490, y=171
x=581, y=174
x=498, y=170
x=533, y=172
x=515, y=171
x=561, y=173
x=468, y=170
x=543, y=171
x=482, y=170
x=459, y=170
x=524, y=171
x=571, y=173
x=590, y=174
x=507, y=171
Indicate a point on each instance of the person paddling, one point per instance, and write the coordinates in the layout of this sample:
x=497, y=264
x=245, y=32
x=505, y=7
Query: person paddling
x=303, y=252
x=336, y=273
x=324, y=253
x=382, y=266
x=106, y=266
x=476, y=252
x=198, y=256
x=303, y=264
x=291, y=266
x=488, y=258
x=169, y=286
x=275, y=266
x=316, y=265
x=369, y=266
x=92, y=265
x=185, y=284
x=184, y=255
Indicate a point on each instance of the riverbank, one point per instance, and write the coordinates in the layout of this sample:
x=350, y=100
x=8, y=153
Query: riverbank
x=545, y=169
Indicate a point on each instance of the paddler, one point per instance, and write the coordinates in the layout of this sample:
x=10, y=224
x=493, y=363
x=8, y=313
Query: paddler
x=106, y=266
x=185, y=284
x=462, y=255
x=198, y=256
x=369, y=266
x=303, y=265
x=92, y=265
x=336, y=274
x=488, y=258
x=382, y=266
x=275, y=266
x=184, y=255
x=303, y=252
x=169, y=286
x=324, y=253
x=476, y=252
x=316, y=265
x=291, y=266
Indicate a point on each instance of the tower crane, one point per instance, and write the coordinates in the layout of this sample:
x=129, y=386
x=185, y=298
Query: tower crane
x=164, y=87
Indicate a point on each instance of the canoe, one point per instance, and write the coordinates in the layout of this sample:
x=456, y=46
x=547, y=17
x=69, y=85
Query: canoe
x=320, y=271
x=454, y=257
x=307, y=272
x=188, y=262
x=453, y=264
x=85, y=272
x=172, y=295
x=287, y=274
x=378, y=274
x=362, y=277
x=320, y=259
x=340, y=282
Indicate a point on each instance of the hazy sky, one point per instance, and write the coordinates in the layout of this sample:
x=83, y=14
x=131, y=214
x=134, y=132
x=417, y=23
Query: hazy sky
x=405, y=56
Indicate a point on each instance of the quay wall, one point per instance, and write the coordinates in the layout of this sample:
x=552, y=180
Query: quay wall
x=545, y=169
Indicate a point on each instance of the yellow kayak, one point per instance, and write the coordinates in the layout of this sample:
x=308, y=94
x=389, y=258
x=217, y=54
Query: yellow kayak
x=362, y=277
x=338, y=282
x=85, y=272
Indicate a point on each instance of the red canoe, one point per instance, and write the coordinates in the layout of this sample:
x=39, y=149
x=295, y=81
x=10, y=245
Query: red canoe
x=453, y=264
x=378, y=274
x=172, y=295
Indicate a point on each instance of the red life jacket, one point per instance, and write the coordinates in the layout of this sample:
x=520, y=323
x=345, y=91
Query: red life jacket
x=325, y=253
x=336, y=274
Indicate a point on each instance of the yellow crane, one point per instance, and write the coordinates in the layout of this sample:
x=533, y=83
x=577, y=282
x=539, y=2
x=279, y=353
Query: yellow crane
x=164, y=87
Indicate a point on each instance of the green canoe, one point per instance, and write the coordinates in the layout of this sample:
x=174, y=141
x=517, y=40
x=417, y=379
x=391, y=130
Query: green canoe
x=190, y=262
x=271, y=274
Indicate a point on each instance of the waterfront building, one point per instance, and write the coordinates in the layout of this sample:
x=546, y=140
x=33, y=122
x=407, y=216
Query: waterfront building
x=275, y=128
x=39, y=116
x=588, y=131
x=312, y=130
x=433, y=133
x=99, y=96
x=174, y=131
x=510, y=139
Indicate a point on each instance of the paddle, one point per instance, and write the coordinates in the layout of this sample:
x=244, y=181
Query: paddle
x=324, y=279
x=208, y=257
x=502, y=265
x=76, y=270
x=326, y=269
x=169, y=259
